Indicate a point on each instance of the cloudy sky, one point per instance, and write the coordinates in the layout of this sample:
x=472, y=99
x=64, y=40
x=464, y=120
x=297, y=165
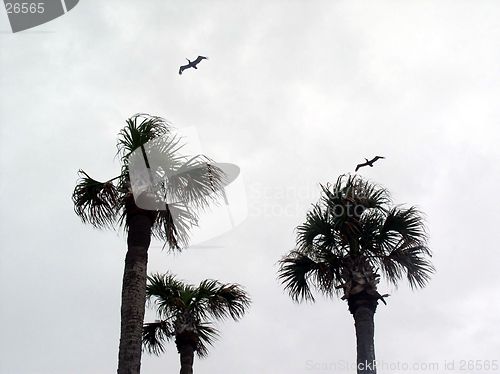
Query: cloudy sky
x=295, y=93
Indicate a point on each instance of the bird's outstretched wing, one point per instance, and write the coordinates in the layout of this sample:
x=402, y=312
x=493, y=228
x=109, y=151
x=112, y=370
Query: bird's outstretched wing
x=376, y=158
x=182, y=68
x=199, y=58
x=358, y=166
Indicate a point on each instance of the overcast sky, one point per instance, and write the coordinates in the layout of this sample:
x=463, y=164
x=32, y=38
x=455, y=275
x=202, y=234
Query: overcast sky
x=295, y=93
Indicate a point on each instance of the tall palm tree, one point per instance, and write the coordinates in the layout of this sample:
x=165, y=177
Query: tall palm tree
x=186, y=312
x=111, y=204
x=347, y=236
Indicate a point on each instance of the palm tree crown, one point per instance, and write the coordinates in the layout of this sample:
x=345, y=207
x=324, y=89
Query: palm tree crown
x=186, y=312
x=348, y=235
x=105, y=204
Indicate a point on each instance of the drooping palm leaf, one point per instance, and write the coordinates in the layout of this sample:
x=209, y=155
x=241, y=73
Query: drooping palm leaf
x=207, y=335
x=328, y=273
x=370, y=242
x=316, y=230
x=408, y=224
x=172, y=225
x=155, y=335
x=295, y=272
x=410, y=260
x=95, y=202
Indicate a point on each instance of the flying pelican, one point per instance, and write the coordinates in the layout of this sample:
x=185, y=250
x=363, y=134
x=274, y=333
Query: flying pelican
x=368, y=163
x=192, y=64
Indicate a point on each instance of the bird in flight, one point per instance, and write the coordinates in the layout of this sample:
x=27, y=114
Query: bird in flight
x=192, y=64
x=368, y=163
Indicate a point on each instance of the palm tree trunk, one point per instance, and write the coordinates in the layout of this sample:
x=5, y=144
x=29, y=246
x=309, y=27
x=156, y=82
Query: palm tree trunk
x=186, y=353
x=363, y=322
x=134, y=288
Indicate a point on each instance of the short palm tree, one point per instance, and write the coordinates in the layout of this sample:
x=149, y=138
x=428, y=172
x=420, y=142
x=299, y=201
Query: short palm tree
x=186, y=312
x=347, y=236
x=111, y=204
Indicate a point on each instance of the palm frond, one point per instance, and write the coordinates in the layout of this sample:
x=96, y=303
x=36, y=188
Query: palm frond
x=316, y=230
x=139, y=129
x=155, y=335
x=173, y=224
x=207, y=334
x=175, y=177
x=410, y=260
x=166, y=292
x=370, y=195
x=220, y=300
x=295, y=272
x=164, y=152
x=369, y=237
x=407, y=224
x=328, y=272
x=197, y=181
x=96, y=202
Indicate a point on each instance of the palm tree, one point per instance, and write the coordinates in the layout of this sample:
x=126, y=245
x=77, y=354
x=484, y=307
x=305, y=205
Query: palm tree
x=185, y=312
x=111, y=204
x=347, y=236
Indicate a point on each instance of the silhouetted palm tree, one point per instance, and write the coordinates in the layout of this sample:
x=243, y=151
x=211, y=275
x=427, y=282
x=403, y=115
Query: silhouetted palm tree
x=348, y=235
x=186, y=312
x=111, y=204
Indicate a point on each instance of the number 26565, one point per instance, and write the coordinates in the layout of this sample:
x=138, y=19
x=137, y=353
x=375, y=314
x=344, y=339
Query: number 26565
x=25, y=8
